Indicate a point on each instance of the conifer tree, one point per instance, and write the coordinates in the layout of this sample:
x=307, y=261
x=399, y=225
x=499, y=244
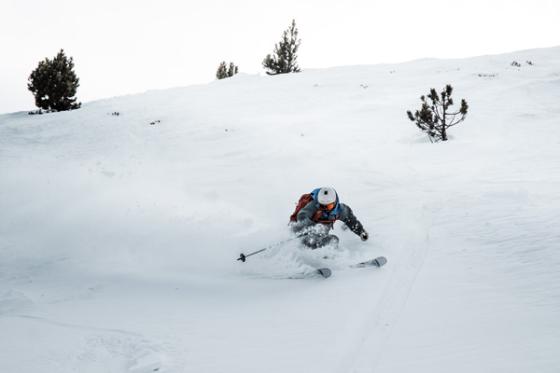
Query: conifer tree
x=226, y=72
x=54, y=84
x=284, y=58
x=221, y=73
x=434, y=116
x=232, y=70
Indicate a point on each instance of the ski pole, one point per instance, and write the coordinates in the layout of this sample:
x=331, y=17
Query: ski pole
x=243, y=257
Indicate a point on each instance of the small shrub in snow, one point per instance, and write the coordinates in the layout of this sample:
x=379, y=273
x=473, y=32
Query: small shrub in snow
x=434, y=116
x=54, y=84
x=226, y=72
x=487, y=75
x=284, y=58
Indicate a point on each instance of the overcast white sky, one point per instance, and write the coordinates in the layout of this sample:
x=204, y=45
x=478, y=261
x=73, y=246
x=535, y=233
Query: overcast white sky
x=128, y=46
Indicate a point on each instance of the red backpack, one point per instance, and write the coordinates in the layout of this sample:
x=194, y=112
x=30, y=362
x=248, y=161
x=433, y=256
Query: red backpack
x=303, y=201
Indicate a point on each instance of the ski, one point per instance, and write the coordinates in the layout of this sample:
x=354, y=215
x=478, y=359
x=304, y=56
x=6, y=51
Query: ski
x=380, y=261
x=377, y=262
x=323, y=272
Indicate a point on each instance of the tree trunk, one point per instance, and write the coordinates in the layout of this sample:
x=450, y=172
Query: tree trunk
x=444, y=124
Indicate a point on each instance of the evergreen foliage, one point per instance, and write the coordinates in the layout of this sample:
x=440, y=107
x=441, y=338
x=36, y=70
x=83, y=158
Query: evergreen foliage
x=284, y=58
x=226, y=72
x=434, y=116
x=54, y=84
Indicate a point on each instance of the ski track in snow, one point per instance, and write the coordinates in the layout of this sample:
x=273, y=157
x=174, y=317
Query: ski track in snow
x=381, y=316
x=93, y=348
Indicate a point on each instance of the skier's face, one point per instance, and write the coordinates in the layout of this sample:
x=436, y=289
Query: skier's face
x=328, y=207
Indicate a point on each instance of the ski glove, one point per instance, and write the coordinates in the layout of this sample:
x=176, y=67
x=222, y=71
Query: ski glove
x=364, y=236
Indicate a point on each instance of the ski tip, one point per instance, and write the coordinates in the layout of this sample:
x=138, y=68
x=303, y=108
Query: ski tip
x=380, y=261
x=325, y=272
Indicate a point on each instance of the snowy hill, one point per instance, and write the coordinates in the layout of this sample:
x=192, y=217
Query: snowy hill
x=118, y=237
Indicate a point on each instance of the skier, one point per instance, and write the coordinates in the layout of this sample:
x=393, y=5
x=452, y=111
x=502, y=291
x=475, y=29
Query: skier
x=315, y=215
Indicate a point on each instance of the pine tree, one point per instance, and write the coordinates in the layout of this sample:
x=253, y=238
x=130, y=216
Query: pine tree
x=54, y=84
x=226, y=72
x=221, y=73
x=434, y=117
x=232, y=70
x=284, y=58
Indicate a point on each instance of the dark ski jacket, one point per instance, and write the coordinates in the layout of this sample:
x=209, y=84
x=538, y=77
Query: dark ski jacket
x=309, y=216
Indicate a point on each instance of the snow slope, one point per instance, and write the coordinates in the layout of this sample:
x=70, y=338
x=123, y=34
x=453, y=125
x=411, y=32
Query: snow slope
x=118, y=238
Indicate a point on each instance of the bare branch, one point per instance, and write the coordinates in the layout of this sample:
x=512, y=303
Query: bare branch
x=459, y=121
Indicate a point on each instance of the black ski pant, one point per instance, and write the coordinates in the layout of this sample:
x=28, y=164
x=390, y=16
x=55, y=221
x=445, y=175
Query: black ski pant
x=315, y=241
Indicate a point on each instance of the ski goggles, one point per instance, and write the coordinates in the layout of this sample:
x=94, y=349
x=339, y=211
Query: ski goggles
x=328, y=207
